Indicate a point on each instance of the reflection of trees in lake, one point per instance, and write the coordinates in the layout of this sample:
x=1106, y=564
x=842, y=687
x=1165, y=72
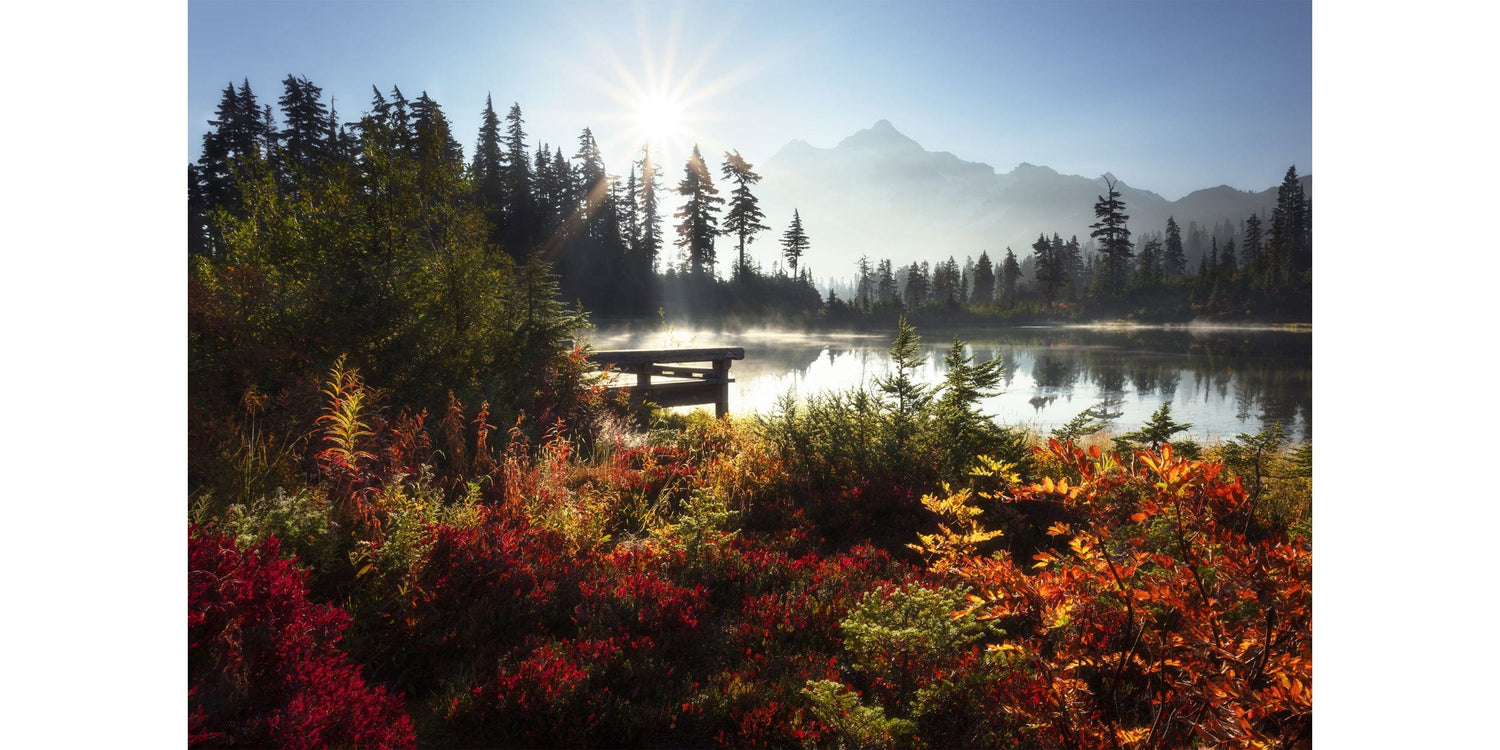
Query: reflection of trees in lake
x=1055, y=369
x=1008, y=364
x=1144, y=376
x=1110, y=377
x=1283, y=395
x=1256, y=378
x=1041, y=402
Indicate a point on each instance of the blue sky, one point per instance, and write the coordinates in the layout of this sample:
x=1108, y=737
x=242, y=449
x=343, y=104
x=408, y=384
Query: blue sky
x=1169, y=96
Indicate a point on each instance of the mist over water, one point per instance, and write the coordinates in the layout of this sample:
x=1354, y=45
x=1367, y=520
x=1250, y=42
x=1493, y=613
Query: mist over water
x=1222, y=380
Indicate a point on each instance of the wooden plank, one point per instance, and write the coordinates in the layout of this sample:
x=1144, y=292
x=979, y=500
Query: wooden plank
x=654, y=356
x=678, y=371
x=680, y=394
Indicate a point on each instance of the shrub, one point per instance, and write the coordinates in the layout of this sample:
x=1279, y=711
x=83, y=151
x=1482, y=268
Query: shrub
x=1159, y=625
x=264, y=669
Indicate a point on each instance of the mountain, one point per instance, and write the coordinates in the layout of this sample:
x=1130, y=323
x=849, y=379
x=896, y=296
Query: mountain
x=880, y=193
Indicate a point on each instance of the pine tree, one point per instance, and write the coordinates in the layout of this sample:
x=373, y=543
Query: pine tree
x=914, y=288
x=1045, y=266
x=911, y=397
x=399, y=118
x=1075, y=267
x=1174, y=262
x=966, y=431
x=488, y=171
x=1010, y=277
x=307, y=141
x=1149, y=265
x=1061, y=279
x=864, y=283
x=885, y=281
x=590, y=176
x=1291, y=228
x=240, y=135
x=630, y=213
x=698, y=221
x=794, y=242
x=1252, y=249
x=433, y=140
x=523, y=222
x=650, y=221
x=1113, y=236
x=984, y=281
x=743, y=217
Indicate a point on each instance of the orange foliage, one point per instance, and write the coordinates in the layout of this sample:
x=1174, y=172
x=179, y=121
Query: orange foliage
x=1159, y=624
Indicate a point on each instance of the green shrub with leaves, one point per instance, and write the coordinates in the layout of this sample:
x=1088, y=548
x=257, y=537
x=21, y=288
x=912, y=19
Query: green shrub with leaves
x=1158, y=431
x=1090, y=421
x=850, y=722
x=302, y=520
x=899, y=432
x=1277, y=476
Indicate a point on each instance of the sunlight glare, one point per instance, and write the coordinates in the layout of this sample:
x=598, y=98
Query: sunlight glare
x=659, y=118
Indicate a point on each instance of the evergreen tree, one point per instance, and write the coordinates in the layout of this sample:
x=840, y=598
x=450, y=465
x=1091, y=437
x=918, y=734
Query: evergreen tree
x=885, y=281
x=239, y=135
x=1113, y=236
x=1252, y=247
x=864, y=283
x=1010, y=277
x=698, y=221
x=1041, y=266
x=433, y=139
x=1291, y=238
x=917, y=285
x=650, y=221
x=1149, y=265
x=523, y=222
x=742, y=218
x=488, y=172
x=399, y=118
x=1228, y=264
x=630, y=213
x=1157, y=431
x=911, y=397
x=590, y=174
x=1075, y=266
x=967, y=433
x=984, y=281
x=1174, y=262
x=307, y=142
x=1061, y=279
x=794, y=242
x=945, y=282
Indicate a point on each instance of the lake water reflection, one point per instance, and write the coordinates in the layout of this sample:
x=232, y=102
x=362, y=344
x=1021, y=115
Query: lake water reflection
x=1222, y=380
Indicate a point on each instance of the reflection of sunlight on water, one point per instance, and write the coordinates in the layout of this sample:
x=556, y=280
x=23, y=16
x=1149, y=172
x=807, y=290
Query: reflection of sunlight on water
x=1219, y=402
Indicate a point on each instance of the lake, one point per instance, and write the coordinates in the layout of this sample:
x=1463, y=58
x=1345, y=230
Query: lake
x=1222, y=380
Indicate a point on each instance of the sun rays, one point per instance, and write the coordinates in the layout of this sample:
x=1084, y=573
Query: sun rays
x=657, y=99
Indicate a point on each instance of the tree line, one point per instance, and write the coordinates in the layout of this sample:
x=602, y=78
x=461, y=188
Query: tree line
x=1259, y=268
x=604, y=236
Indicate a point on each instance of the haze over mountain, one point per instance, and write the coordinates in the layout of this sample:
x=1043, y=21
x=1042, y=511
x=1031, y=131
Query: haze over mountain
x=881, y=194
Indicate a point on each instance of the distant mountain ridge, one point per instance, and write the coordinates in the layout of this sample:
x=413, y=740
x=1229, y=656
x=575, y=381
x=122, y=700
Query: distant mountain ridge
x=880, y=193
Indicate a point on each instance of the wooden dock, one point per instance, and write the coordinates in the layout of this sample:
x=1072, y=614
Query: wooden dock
x=689, y=383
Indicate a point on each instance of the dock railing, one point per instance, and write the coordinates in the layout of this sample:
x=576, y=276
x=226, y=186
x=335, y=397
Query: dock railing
x=688, y=384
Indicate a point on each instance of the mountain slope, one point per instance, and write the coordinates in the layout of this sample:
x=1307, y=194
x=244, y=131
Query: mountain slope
x=881, y=194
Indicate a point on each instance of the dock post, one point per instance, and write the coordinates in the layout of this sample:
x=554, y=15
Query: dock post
x=721, y=374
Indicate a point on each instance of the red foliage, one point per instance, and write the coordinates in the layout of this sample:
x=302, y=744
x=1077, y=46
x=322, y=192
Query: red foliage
x=264, y=669
x=653, y=468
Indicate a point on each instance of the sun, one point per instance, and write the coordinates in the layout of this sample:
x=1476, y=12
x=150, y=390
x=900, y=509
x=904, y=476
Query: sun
x=659, y=118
